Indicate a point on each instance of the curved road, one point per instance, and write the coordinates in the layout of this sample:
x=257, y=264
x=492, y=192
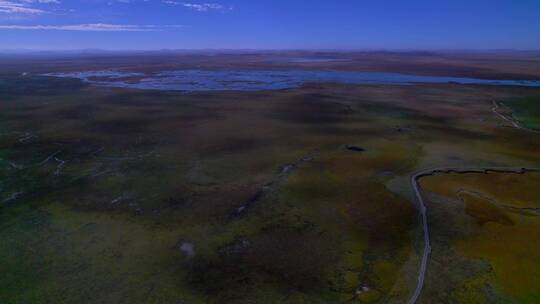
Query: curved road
x=423, y=211
x=494, y=110
x=422, y=206
x=511, y=120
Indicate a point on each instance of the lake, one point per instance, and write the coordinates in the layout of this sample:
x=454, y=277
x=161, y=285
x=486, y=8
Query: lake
x=256, y=80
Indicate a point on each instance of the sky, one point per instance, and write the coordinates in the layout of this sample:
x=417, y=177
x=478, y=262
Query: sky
x=269, y=24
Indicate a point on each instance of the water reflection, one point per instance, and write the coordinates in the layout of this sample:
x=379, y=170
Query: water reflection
x=255, y=80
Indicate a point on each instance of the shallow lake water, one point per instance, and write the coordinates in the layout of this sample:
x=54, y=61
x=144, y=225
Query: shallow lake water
x=255, y=80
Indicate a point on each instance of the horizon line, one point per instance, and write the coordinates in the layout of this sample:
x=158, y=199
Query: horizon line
x=97, y=50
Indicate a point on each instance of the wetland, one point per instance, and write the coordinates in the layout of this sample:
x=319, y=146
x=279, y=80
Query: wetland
x=117, y=186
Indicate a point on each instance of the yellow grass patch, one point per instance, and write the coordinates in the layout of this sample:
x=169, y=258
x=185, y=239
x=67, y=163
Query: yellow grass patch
x=508, y=230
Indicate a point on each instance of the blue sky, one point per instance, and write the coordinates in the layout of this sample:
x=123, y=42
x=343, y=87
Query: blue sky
x=269, y=24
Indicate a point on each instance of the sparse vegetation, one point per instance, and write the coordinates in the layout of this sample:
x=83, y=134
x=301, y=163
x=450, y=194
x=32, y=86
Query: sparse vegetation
x=101, y=188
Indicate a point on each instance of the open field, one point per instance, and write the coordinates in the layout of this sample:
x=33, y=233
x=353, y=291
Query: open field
x=111, y=195
x=526, y=111
x=492, y=234
x=486, y=65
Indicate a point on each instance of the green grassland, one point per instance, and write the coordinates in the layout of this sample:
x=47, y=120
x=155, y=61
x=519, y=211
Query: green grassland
x=102, y=189
x=527, y=111
x=501, y=228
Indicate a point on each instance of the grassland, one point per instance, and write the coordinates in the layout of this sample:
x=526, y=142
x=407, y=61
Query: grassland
x=103, y=191
x=501, y=226
x=527, y=111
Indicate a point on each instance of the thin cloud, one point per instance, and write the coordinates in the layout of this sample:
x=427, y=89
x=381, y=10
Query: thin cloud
x=92, y=27
x=200, y=7
x=40, y=1
x=23, y=6
x=12, y=7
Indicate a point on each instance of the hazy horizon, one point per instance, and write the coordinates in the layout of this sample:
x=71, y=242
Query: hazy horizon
x=271, y=50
